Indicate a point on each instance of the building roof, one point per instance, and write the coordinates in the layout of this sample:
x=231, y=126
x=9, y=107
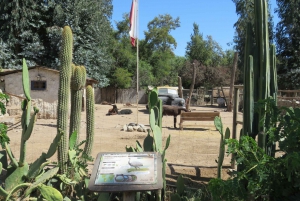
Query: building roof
x=5, y=72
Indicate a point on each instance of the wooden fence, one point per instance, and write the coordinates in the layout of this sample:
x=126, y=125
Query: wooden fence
x=113, y=95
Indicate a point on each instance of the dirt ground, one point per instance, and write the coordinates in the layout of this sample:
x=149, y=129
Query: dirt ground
x=192, y=152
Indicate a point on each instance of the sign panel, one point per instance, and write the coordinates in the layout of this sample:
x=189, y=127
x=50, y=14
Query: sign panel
x=126, y=171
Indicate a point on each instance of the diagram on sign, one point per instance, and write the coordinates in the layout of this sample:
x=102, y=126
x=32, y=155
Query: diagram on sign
x=126, y=168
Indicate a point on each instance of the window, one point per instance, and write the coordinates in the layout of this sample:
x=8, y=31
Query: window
x=38, y=85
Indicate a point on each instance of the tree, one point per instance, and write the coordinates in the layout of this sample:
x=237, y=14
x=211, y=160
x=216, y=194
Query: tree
x=122, y=78
x=89, y=20
x=208, y=52
x=245, y=11
x=288, y=44
x=210, y=57
x=158, y=34
x=121, y=49
x=22, y=27
x=32, y=29
x=159, y=45
x=197, y=48
x=4, y=53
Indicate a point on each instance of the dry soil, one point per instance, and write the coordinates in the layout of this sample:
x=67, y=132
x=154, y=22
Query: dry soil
x=192, y=151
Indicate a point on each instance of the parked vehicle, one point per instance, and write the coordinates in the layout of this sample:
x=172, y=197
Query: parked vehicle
x=169, y=96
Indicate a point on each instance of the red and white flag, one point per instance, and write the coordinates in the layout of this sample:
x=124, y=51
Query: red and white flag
x=133, y=22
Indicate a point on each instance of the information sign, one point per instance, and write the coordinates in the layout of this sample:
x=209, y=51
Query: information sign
x=128, y=171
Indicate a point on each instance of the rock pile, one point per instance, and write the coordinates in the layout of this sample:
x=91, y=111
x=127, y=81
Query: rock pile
x=131, y=127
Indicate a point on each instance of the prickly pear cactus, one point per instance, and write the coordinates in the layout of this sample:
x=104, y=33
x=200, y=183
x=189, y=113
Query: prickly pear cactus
x=63, y=95
x=219, y=127
x=18, y=184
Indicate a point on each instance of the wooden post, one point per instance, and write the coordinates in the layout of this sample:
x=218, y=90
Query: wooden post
x=234, y=121
x=128, y=196
x=229, y=105
x=212, y=97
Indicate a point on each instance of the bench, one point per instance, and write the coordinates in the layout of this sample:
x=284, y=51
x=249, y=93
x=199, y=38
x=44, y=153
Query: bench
x=197, y=116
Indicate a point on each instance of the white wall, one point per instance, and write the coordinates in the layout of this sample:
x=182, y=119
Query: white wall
x=13, y=84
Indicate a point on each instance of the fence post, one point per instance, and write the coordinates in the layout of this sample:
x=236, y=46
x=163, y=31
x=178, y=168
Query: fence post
x=234, y=121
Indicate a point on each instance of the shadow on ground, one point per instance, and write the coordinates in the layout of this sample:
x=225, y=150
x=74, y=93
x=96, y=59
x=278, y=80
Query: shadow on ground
x=194, y=176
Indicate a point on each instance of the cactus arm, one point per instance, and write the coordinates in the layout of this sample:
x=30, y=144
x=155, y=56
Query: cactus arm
x=26, y=107
x=53, y=147
x=50, y=193
x=25, y=135
x=90, y=110
x=36, y=166
x=40, y=180
x=16, y=177
x=29, y=129
x=10, y=155
x=222, y=152
x=24, y=185
x=273, y=72
x=3, y=192
x=159, y=117
x=63, y=95
x=25, y=80
x=77, y=84
x=148, y=142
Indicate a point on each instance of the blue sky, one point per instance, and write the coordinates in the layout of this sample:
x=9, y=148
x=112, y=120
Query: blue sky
x=214, y=17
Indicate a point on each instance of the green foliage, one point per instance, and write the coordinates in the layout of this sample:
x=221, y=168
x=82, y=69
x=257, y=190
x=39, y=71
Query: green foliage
x=3, y=135
x=122, y=78
x=262, y=174
x=157, y=48
x=287, y=38
x=4, y=53
x=32, y=29
x=158, y=35
x=183, y=193
x=207, y=52
x=23, y=28
x=90, y=23
x=74, y=182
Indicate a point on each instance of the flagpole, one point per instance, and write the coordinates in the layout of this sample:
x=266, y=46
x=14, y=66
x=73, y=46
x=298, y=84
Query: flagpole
x=137, y=63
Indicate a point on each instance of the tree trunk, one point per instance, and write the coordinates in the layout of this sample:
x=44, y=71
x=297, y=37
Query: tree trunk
x=192, y=87
x=180, y=87
x=229, y=106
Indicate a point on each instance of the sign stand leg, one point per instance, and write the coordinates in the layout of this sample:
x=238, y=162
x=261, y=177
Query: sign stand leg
x=128, y=196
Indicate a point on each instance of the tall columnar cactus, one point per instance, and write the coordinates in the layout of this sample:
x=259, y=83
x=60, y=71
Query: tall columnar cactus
x=259, y=71
x=78, y=80
x=90, y=110
x=63, y=95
